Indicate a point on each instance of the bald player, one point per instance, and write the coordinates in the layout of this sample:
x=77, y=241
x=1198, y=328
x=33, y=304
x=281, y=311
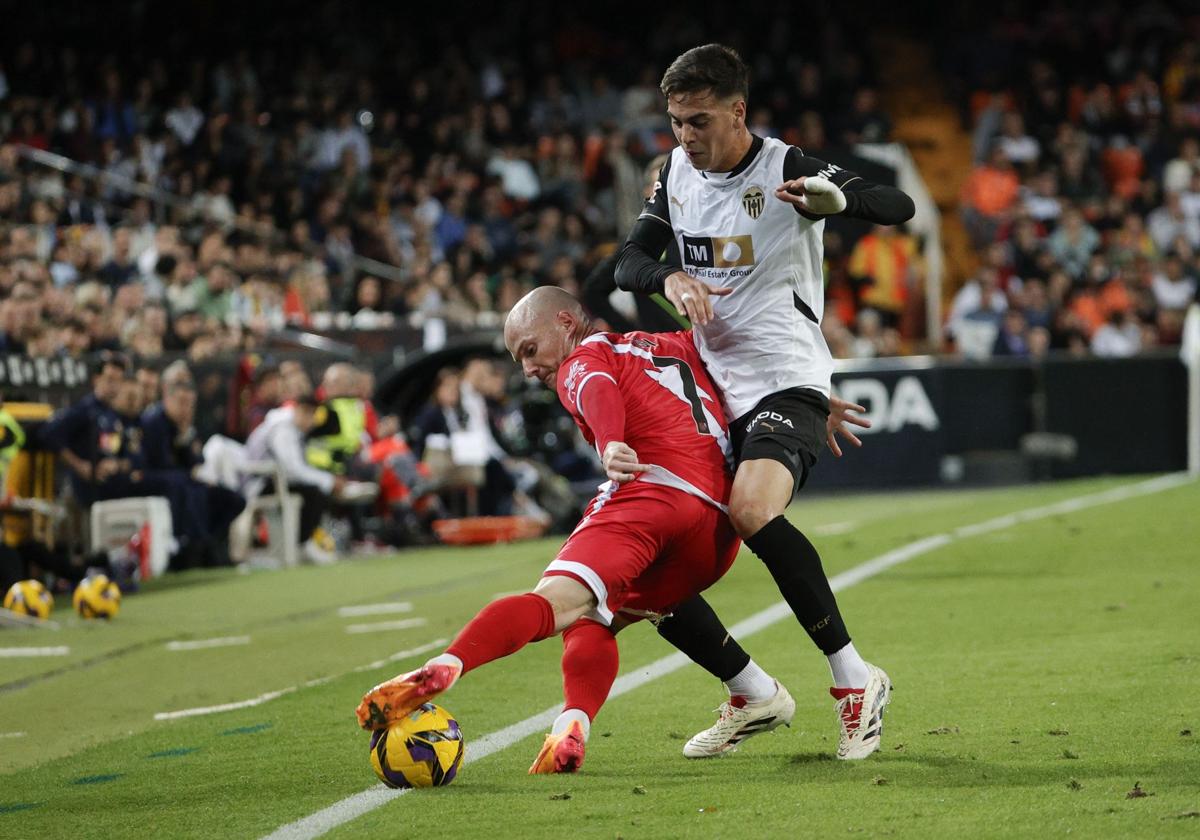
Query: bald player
x=655, y=536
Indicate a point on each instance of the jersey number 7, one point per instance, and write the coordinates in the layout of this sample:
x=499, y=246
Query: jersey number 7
x=690, y=392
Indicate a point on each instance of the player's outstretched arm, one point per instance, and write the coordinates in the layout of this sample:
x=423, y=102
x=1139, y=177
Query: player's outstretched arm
x=816, y=189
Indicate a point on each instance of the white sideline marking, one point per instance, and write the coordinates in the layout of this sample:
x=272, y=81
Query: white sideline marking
x=225, y=707
x=357, y=804
x=17, y=619
x=21, y=652
x=13, y=734
x=201, y=644
x=271, y=695
x=834, y=529
x=404, y=654
x=380, y=626
x=374, y=609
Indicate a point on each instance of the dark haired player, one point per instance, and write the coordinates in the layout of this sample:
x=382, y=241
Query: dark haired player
x=747, y=214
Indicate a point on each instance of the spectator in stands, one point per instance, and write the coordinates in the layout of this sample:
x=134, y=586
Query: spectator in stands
x=1012, y=339
x=120, y=268
x=171, y=452
x=150, y=381
x=12, y=439
x=1018, y=146
x=1179, y=171
x=176, y=373
x=296, y=382
x=980, y=300
x=884, y=262
x=214, y=297
x=441, y=416
x=479, y=383
x=989, y=192
x=267, y=395
x=437, y=435
x=1174, y=287
x=100, y=441
x=1073, y=243
x=867, y=121
x=1119, y=336
x=280, y=438
x=338, y=436
x=87, y=435
x=1169, y=224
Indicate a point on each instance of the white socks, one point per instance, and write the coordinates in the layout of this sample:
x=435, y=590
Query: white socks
x=753, y=683
x=848, y=668
x=569, y=716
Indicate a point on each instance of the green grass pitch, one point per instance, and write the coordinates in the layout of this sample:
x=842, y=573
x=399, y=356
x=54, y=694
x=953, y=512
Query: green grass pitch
x=1041, y=671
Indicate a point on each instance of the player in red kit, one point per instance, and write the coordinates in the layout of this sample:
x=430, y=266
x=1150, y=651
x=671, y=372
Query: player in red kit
x=655, y=536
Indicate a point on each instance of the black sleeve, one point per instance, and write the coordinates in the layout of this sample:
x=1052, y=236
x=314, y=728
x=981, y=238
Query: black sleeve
x=865, y=200
x=637, y=270
x=600, y=283
x=638, y=267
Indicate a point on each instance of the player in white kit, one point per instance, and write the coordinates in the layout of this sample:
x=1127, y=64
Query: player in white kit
x=747, y=215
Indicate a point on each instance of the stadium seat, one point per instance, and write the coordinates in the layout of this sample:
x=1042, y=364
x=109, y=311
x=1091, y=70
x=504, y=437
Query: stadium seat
x=447, y=476
x=113, y=522
x=285, y=503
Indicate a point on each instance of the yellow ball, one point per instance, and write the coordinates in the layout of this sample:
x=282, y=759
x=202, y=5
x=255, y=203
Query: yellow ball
x=29, y=597
x=97, y=597
x=421, y=750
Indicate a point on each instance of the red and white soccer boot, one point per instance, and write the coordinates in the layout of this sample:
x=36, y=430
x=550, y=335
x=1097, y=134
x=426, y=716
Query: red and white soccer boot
x=390, y=701
x=562, y=753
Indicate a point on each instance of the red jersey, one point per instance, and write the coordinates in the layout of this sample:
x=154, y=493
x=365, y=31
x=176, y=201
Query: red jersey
x=651, y=392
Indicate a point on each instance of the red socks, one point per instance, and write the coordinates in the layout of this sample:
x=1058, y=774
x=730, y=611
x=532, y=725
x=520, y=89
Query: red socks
x=589, y=666
x=503, y=627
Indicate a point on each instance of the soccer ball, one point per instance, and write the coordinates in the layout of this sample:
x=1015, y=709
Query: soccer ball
x=29, y=597
x=97, y=597
x=421, y=750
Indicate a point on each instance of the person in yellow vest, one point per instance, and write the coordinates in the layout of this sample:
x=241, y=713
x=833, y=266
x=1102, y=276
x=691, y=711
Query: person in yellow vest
x=340, y=429
x=887, y=262
x=12, y=438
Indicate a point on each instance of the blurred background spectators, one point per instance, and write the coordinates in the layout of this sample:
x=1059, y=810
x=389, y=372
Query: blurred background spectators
x=1083, y=205
x=273, y=180
x=468, y=166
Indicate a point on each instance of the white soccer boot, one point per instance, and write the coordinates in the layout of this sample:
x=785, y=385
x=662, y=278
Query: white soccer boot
x=860, y=714
x=740, y=720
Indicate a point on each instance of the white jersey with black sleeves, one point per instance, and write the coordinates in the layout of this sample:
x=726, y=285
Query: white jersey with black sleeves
x=765, y=337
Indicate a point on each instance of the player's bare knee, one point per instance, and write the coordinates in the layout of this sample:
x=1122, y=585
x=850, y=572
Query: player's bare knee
x=750, y=515
x=569, y=599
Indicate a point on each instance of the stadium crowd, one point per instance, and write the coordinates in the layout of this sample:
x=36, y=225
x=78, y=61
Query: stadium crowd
x=1084, y=202
x=376, y=178
x=394, y=181
x=477, y=174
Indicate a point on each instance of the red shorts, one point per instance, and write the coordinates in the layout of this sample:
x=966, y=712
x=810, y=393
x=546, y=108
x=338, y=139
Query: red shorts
x=645, y=548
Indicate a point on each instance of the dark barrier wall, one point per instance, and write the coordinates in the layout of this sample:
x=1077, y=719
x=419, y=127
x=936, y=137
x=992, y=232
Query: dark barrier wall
x=1123, y=415
x=930, y=417
x=1127, y=415
x=907, y=438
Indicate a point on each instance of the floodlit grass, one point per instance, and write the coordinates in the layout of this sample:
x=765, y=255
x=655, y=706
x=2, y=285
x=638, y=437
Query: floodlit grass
x=1041, y=671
